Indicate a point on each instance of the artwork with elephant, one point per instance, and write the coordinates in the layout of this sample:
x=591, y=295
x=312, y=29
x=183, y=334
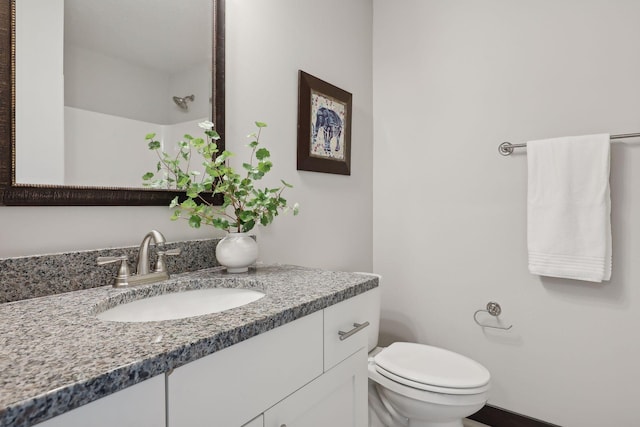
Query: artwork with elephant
x=327, y=127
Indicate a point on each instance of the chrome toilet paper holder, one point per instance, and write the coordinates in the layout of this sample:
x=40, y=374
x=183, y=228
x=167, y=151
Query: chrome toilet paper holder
x=494, y=309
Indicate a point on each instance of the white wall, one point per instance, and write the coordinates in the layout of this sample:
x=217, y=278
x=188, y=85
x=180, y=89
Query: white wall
x=111, y=151
x=452, y=80
x=105, y=84
x=39, y=107
x=267, y=43
x=98, y=82
x=334, y=228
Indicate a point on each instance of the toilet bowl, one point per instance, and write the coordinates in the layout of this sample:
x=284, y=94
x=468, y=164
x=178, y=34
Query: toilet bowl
x=417, y=385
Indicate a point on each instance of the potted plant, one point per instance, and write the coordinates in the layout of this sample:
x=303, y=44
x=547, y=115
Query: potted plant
x=244, y=203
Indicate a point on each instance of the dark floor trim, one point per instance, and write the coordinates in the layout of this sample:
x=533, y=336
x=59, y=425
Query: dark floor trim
x=496, y=417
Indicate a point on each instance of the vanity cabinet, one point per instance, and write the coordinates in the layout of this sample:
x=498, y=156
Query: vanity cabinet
x=141, y=405
x=297, y=375
x=336, y=398
x=231, y=387
x=300, y=374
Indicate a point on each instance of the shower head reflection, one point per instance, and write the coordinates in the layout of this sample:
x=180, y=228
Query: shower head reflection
x=182, y=102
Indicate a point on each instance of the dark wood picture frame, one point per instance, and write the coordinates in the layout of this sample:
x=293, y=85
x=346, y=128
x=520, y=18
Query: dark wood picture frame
x=317, y=117
x=15, y=194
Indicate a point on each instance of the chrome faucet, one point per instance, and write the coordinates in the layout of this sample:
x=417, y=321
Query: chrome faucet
x=143, y=252
x=143, y=274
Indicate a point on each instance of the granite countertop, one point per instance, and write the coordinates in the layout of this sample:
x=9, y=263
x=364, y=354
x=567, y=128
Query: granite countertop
x=55, y=355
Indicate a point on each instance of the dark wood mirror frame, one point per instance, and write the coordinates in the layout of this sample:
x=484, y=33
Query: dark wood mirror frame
x=15, y=194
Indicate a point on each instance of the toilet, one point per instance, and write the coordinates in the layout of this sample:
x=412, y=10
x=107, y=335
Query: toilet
x=417, y=385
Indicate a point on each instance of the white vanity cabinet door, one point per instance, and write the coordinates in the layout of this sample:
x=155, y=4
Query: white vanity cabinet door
x=141, y=405
x=232, y=386
x=337, y=399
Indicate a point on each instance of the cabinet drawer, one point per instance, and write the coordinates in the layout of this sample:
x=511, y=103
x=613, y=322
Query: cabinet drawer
x=343, y=317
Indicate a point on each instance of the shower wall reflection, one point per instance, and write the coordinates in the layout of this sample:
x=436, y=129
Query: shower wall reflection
x=123, y=63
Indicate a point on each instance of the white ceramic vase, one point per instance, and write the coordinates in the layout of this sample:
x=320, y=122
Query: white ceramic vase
x=236, y=252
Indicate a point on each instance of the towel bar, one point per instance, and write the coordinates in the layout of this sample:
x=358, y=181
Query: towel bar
x=494, y=309
x=506, y=148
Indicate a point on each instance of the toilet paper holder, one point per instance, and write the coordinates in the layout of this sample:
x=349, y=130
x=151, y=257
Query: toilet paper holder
x=494, y=309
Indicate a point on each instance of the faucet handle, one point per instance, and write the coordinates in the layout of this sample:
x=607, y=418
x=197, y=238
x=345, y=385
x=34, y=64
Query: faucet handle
x=102, y=260
x=122, y=279
x=161, y=267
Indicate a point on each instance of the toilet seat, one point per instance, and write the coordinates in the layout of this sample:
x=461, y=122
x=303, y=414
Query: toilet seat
x=437, y=398
x=431, y=369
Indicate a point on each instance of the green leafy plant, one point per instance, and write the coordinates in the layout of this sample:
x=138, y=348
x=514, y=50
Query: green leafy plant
x=244, y=204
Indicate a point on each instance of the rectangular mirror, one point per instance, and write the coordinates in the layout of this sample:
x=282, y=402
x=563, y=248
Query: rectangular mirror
x=75, y=105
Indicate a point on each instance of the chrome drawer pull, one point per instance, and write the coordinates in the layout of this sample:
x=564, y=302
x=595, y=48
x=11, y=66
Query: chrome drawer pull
x=357, y=327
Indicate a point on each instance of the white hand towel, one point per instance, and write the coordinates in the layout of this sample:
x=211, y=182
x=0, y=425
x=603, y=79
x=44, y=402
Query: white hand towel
x=569, y=207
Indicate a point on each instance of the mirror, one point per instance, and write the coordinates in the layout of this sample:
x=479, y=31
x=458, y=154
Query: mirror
x=54, y=163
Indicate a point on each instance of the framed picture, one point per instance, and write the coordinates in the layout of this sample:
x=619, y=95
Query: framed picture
x=324, y=126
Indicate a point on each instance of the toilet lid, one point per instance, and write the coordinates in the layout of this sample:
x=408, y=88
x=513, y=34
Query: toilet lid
x=433, y=366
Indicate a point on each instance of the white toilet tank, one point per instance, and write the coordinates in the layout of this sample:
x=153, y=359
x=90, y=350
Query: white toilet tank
x=373, y=312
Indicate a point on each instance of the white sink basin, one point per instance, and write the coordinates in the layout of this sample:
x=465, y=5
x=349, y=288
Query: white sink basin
x=179, y=305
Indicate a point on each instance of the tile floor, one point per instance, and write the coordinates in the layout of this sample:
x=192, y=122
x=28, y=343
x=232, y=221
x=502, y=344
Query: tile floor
x=471, y=423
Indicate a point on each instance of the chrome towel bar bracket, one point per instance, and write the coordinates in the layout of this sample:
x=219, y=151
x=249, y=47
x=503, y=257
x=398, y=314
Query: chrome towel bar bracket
x=506, y=148
x=494, y=309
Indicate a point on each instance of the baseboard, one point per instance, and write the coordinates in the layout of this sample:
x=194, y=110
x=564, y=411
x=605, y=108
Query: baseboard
x=496, y=417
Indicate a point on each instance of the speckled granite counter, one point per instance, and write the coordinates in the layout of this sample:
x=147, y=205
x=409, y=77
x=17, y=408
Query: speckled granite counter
x=41, y=275
x=55, y=355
